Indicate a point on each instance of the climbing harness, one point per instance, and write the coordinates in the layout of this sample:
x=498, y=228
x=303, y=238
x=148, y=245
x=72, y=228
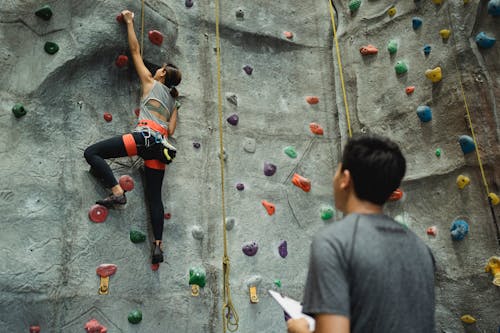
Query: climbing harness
x=230, y=318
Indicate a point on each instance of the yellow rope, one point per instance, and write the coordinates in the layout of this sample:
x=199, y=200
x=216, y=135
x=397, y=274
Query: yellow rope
x=142, y=28
x=332, y=16
x=229, y=315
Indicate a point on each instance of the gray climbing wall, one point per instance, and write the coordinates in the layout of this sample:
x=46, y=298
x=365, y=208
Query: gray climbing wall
x=49, y=247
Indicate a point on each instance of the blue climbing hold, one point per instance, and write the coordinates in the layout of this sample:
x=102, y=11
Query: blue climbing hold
x=416, y=23
x=494, y=10
x=484, y=41
x=459, y=229
x=427, y=49
x=424, y=113
x=467, y=144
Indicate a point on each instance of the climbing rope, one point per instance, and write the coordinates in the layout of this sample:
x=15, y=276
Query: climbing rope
x=332, y=16
x=142, y=28
x=229, y=315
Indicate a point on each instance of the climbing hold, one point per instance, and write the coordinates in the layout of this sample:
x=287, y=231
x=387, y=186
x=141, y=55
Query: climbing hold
x=197, y=232
x=188, y=3
x=240, y=14
x=119, y=18
x=434, y=74
x=155, y=37
x=250, y=248
x=288, y=34
x=269, y=169
x=462, y=181
x=316, y=129
x=196, y=145
x=468, y=319
x=438, y=152
x=277, y=283
x=270, y=207
x=137, y=236
x=495, y=200
x=233, y=119
x=223, y=155
x=137, y=111
x=437, y=2
x=249, y=145
x=427, y=49
x=177, y=105
x=155, y=267
x=45, y=12
x=107, y=116
x=493, y=266
x=432, y=231
x=416, y=23
x=167, y=216
x=368, y=50
x=396, y=195
x=34, y=329
x=392, y=46
x=253, y=294
x=401, y=220
x=424, y=113
x=445, y=33
x=354, y=5
x=197, y=279
x=301, y=182
x=467, y=144
x=392, y=11
x=98, y=213
x=240, y=186
x=232, y=98
x=401, y=67
x=409, y=90
x=135, y=317
x=51, y=47
x=230, y=221
x=105, y=271
x=93, y=326
x=312, y=99
x=459, y=229
x=283, y=249
x=484, y=41
x=248, y=69
x=121, y=61
x=290, y=151
x=494, y=7
x=18, y=110
x=327, y=212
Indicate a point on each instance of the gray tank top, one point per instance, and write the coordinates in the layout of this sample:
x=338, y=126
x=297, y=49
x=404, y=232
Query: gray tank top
x=161, y=93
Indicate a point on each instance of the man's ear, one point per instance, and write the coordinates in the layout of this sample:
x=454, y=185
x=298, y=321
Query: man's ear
x=345, y=179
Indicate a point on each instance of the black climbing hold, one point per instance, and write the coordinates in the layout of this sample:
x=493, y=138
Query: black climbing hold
x=51, y=47
x=189, y=3
x=248, y=69
x=44, y=12
x=240, y=14
x=196, y=145
x=240, y=186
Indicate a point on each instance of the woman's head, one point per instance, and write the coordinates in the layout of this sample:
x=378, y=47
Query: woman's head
x=170, y=76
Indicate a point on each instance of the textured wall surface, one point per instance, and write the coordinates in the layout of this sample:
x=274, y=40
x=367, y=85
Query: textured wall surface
x=50, y=249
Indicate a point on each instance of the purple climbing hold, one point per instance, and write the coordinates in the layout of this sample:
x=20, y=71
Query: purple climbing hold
x=250, y=248
x=240, y=186
x=248, y=69
x=269, y=169
x=189, y=3
x=196, y=145
x=282, y=249
x=233, y=119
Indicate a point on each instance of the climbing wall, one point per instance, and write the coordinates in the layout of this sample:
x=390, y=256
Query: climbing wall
x=67, y=83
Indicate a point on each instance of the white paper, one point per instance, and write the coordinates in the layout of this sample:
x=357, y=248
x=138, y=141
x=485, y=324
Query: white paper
x=293, y=308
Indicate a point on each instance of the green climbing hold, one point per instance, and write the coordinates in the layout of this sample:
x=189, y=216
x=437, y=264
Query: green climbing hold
x=44, y=12
x=277, y=282
x=291, y=152
x=137, y=236
x=177, y=105
x=438, y=152
x=135, y=317
x=51, y=47
x=197, y=275
x=392, y=46
x=18, y=110
x=354, y=5
x=401, y=67
x=327, y=212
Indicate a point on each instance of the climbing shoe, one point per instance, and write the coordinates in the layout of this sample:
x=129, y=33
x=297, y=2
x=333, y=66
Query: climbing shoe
x=113, y=200
x=157, y=255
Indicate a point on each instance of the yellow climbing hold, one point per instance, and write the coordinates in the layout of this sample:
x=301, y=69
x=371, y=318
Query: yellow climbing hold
x=437, y=2
x=445, y=33
x=468, y=319
x=495, y=200
x=494, y=267
x=462, y=181
x=434, y=74
x=392, y=11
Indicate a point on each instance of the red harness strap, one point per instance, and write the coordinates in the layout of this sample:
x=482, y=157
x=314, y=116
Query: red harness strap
x=130, y=146
x=154, y=126
x=154, y=164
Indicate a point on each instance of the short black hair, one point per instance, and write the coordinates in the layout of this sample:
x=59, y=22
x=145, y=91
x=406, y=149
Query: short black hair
x=376, y=165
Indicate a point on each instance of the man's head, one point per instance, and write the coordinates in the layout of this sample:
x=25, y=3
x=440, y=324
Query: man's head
x=372, y=168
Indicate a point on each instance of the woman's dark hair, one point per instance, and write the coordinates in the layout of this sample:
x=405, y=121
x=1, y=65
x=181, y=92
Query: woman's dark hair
x=376, y=165
x=172, y=79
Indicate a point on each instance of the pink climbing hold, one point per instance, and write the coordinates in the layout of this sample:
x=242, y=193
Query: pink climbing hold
x=98, y=213
x=137, y=111
x=155, y=267
x=121, y=61
x=35, y=329
x=107, y=116
x=316, y=129
x=288, y=34
x=409, y=90
x=155, y=37
x=126, y=182
x=270, y=207
x=312, y=100
x=432, y=231
x=93, y=326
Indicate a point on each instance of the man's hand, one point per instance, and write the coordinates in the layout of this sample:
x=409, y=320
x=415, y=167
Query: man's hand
x=128, y=16
x=298, y=326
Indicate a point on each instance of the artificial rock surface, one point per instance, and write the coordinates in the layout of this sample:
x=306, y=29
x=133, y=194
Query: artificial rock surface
x=50, y=249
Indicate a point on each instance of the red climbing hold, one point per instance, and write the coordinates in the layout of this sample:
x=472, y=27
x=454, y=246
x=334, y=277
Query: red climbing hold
x=312, y=99
x=98, y=213
x=432, y=231
x=154, y=267
x=368, y=50
x=106, y=270
x=93, y=326
x=288, y=34
x=119, y=18
x=269, y=207
x=34, y=329
x=409, y=90
x=396, y=195
x=121, y=61
x=301, y=182
x=126, y=182
x=167, y=216
x=137, y=111
x=316, y=129
x=155, y=37
x=108, y=116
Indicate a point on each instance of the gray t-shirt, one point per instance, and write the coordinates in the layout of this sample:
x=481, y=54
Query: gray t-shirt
x=374, y=271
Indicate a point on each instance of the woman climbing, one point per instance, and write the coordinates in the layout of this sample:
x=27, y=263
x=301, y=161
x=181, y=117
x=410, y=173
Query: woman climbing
x=157, y=120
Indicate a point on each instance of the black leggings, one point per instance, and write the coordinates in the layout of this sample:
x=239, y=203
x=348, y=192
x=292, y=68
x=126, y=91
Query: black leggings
x=114, y=147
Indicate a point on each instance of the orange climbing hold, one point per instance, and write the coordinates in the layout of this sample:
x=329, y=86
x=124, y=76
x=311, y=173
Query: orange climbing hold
x=270, y=207
x=409, y=90
x=312, y=99
x=301, y=182
x=288, y=34
x=396, y=195
x=368, y=50
x=316, y=129
x=155, y=37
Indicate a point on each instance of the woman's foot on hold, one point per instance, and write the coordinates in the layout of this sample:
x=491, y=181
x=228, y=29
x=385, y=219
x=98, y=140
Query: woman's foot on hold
x=157, y=255
x=113, y=200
